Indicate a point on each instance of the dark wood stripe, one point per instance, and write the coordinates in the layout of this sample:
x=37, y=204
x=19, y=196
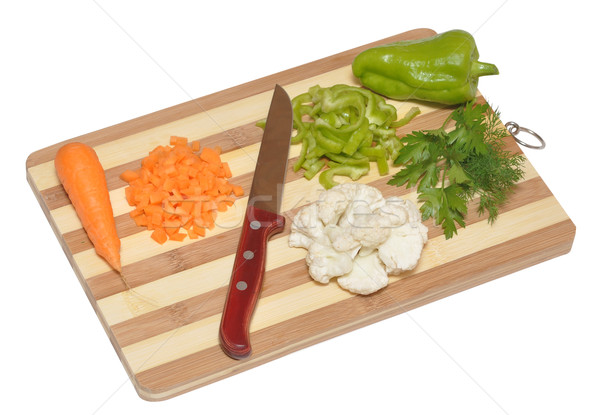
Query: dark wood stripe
x=220, y=98
x=404, y=295
x=207, y=304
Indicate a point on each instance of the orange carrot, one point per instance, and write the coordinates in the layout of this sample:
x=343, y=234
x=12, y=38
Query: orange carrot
x=82, y=176
x=176, y=189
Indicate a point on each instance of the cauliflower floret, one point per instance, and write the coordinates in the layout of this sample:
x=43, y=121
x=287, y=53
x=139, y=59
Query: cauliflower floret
x=299, y=240
x=324, y=262
x=355, y=234
x=366, y=277
x=396, y=211
x=369, y=228
x=331, y=205
x=368, y=195
x=341, y=238
x=402, y=250
x=307, y=227
x=348, y=189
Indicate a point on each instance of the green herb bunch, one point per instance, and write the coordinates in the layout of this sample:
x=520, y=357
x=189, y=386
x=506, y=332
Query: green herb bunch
x=451, y=168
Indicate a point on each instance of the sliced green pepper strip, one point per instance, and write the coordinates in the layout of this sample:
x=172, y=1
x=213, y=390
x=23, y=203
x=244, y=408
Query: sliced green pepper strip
x=337, y=127
x=357, y=138
x=354, y=172
x=382, y=166
x=378, y=111
x=360, y=161
x=330, y=144
x=412, y=113
x=373, y=153
x=299, y=109
x=302, y=156
x=314, y=168
x=316, y=152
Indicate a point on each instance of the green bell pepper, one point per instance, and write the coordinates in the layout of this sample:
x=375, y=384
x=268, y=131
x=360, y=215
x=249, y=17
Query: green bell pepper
x=442, y=68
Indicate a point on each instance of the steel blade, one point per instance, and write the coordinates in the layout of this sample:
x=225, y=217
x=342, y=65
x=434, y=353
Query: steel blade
x=269, y=176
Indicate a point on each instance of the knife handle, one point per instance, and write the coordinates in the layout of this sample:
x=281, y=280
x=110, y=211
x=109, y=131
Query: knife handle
x=246, y=280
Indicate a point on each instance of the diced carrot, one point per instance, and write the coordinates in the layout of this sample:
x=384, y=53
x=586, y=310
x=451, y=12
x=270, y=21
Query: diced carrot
x=210, y=156
x=177, y=188
x=187, y=207
x=199, y=230
x=141, y=220
x=129, y=196
x=153, y=209
x=177, y=140
x=177, y=236
x=156, y=219
x=225, y=189
x=159, y=235
x=227, y=170
x=238, y=191
x=129, y=176
x=222, y=207
x=192, y=234
x=171, y=231
x=157, y=196
x=136, y=212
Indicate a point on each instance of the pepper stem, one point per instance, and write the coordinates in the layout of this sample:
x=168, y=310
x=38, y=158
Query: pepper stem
x=482, y=69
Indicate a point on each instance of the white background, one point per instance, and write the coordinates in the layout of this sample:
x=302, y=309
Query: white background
x=524, y=344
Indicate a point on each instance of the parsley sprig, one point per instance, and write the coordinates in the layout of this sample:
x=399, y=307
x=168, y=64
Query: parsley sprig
x=451, y=168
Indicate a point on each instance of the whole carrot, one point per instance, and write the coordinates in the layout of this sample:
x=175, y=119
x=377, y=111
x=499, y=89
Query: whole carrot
x=82, y=176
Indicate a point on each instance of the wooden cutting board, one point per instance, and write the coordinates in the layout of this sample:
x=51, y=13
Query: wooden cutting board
x=165, y=330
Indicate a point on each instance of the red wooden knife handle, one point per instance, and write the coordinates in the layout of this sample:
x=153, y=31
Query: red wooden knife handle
x=246, y=280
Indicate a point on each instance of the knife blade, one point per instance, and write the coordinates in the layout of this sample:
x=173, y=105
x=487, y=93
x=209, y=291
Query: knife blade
x=261, y=221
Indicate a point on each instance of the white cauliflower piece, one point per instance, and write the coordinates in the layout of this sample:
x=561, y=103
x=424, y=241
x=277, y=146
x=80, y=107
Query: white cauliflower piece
x=366, y=277
x=396, y=211
x=355, y=234
x=369, y=195
x=341, y=238
x=401, y=252
x=324, y=262
x=331, y=205
x=307, y=228
x=369, y=228
x=348, y=189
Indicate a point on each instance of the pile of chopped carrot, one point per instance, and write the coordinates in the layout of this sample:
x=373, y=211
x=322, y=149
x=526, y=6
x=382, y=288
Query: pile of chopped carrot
x=179, y=190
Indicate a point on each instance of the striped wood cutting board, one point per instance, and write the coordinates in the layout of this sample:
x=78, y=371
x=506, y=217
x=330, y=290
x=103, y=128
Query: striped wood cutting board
x=165, y=331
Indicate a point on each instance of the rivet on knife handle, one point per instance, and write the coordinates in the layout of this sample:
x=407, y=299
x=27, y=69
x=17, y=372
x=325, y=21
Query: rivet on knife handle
x=246, y=280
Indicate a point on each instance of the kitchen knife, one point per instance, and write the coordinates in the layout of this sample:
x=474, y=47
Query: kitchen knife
x=262, y=220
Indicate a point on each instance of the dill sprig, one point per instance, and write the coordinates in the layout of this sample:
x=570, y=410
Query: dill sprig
x=451, y=168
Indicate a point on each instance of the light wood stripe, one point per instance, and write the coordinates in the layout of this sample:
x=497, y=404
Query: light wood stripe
x=307, y=297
